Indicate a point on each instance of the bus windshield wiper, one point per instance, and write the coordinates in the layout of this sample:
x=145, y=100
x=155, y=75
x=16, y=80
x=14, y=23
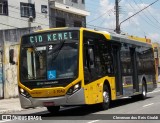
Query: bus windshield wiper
x=55, y=51
x=35, y=49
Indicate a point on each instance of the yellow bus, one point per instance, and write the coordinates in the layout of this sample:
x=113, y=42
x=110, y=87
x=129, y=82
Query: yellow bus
x=77, y=66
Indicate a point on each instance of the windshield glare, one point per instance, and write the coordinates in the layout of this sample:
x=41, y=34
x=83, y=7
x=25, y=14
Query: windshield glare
x=54, y=61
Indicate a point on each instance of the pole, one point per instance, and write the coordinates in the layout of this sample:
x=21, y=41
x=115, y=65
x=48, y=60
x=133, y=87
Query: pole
x=117, y=16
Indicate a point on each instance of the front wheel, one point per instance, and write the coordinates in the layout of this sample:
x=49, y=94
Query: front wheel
x=53, y=109
x=106, y=98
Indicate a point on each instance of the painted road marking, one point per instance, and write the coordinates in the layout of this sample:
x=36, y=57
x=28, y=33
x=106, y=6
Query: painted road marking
x=93, y=121
x=148, y=104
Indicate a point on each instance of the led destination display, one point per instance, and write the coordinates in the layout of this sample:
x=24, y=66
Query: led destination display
x=50, y=37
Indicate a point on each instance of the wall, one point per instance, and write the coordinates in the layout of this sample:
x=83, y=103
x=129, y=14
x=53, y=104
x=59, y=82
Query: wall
x=14, y=18
x=10, y=71
x=78, y=5
x=9, y=39
x=69, y=18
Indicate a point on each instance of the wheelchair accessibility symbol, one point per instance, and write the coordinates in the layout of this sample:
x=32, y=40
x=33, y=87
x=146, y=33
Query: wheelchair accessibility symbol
x=51, y=75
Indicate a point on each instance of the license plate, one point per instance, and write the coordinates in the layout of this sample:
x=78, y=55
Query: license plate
x=46, y=104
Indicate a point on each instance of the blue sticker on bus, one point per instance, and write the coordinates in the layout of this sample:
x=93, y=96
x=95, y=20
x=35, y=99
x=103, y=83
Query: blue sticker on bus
x=51, y=74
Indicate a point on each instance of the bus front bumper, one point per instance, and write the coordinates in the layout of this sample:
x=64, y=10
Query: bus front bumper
x=75, y=99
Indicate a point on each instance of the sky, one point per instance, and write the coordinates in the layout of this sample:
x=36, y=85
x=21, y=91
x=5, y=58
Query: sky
x=144, y=24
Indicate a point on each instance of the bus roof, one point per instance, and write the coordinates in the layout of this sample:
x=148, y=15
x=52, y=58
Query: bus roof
x=123, y=38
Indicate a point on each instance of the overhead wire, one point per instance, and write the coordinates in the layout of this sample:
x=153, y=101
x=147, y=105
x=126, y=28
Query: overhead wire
x=151, y=14
x=103, y=20
x=99, y=16
x=131, y=20
x=95, y=27
x=8, y=25
x=144, y=18
x=144, y=13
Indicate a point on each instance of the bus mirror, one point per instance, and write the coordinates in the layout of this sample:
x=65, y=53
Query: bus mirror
x=11, y=56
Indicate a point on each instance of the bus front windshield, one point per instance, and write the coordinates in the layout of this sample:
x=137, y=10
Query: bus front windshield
x=50, y=62
x=62, y=61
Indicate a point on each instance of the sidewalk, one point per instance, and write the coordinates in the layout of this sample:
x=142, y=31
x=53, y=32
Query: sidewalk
x=10, y=105
x=13, y=105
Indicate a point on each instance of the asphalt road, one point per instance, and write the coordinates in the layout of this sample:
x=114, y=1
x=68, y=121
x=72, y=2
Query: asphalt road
x=120, y=109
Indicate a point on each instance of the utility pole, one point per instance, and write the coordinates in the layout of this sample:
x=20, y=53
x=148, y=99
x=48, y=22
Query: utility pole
x=117, y=30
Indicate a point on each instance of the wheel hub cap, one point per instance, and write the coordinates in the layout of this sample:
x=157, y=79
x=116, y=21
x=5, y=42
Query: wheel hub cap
x=144, y=91
x=105, y=97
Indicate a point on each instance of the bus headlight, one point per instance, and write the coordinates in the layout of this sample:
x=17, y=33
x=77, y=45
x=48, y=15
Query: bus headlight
x=24, y=93
x=74, y=88
x=21, y=90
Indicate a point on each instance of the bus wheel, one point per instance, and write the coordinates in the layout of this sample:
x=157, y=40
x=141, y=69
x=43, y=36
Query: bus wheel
x=106, y=98
x=144, y=91
x=53, y=109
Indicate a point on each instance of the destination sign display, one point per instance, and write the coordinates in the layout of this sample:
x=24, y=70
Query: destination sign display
x=50, y=37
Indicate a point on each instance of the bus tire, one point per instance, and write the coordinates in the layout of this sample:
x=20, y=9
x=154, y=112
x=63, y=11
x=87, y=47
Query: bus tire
x=53, y=109
x=144, y=91
x=106, y=98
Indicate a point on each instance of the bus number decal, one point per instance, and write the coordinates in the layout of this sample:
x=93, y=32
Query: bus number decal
x=50, y=47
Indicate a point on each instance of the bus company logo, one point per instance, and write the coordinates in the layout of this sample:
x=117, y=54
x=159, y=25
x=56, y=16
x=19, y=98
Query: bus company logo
x=6, y=117
x=20, y=117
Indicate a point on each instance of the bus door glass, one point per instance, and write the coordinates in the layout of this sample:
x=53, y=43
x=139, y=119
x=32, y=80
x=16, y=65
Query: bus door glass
x=127, y=69
x=98, y=59
x=135, y=71
x=117, y=69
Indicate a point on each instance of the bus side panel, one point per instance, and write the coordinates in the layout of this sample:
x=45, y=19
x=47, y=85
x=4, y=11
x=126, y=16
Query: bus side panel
x=113, y=88
x=94, y=90
x=149, y=81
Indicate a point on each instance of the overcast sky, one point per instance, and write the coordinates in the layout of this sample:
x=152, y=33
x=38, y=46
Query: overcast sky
x=146, y=23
